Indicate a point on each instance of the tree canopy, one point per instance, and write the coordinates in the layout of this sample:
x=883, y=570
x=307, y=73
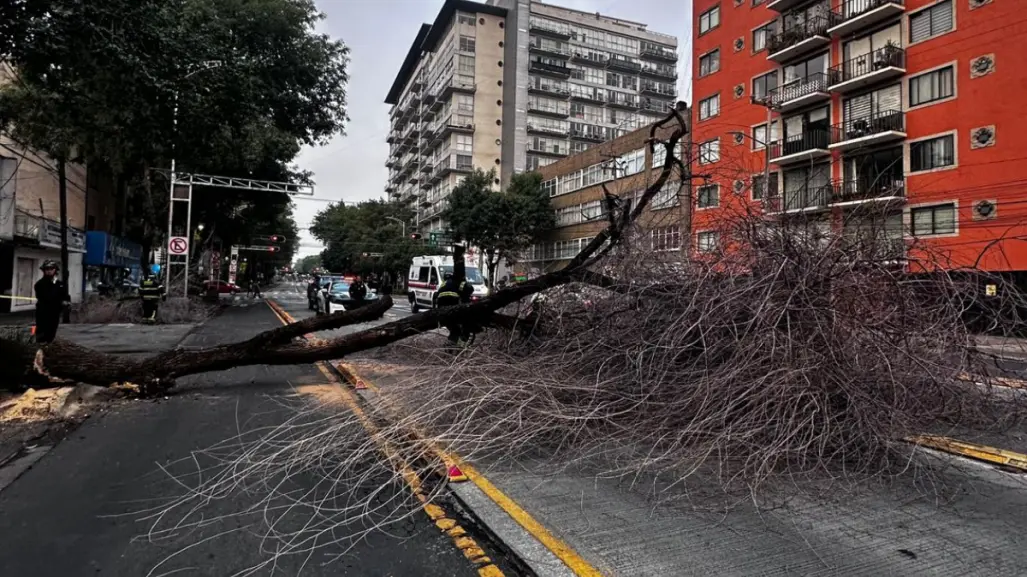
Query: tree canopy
x=362, y=238
x=500, y=224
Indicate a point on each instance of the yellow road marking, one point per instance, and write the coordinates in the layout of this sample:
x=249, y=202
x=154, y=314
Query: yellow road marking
x=468, y=546
x=972, y=450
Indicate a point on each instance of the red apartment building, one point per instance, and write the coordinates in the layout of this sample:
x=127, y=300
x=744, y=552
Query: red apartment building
x=910, y=106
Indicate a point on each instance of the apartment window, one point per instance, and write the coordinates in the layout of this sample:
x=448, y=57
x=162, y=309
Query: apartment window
x=631, y=163
x=667, y=196
x=707, y=241
x=760, y=138
x=467, y=44
x=938, y=219
x=763, y=85
x=660, y=154
x=709, y=63
x=465, y=19
x=930, y=21
x=709, y=107
x=709, y=20
x=708, y=196
x=932, y=86
x=667, y=238
x=761, y=35
x=932, y=153
x=466, y=65
x=807, y=70
x=759, y=191
x=463, y=142
x=709, y=151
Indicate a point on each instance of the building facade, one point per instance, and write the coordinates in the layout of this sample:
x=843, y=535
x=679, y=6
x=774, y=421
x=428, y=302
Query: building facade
x=906, y=106
x=515, y=85
x=625, y=167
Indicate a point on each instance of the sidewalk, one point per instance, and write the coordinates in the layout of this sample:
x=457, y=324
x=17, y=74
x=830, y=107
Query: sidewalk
x=620, y=531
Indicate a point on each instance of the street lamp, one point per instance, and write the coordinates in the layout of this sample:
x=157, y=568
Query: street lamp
x=400, y=221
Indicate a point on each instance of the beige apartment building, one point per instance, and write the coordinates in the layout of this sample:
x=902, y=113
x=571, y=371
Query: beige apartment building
x=516, y=85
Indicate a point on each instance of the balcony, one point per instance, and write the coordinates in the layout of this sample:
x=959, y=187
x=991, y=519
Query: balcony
x=456, y=124
x=465, y=85
x=551, y=29
x=588, y=135
x=653, y=89
x=452, y=163
x=539, y=47
x=392, y=137
x=783, y=6
x=880, y=65
x=544, y=109
x=861, y=14
x=798, y=40
x=871, y=130
x=805, y=147
x=558, y=149
x=659, y=71
x=804, y=199
x=557, y=70
x=546, y=129
x=802, y=92
x=630, y=103
x=657, y=53
x=588, y=95
x=549, y=90
x=884, y=188
x=623, y=64
x=661, y=106
x=594, y=60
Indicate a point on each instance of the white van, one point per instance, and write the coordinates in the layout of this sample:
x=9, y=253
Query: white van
x=426, y=274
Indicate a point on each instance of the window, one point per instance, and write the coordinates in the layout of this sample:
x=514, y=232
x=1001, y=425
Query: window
x=761, y=35
x=708, y=196
x=932, y=86
x=709, y=151
x=939, y=219
x=758, y=188
x=465, y=19
x=667, y=238
x=631, y=163
x=667, y=196
x=462, y=142
x=707, y=241
x=660, y=154
x=709, y=20
x=809, y=70
x=709, y=107
x=763, y=85
x=467, y=44
x=932, y=153
x=709, y=63
x=931, y=21
x=760, y=138
x=466, y=65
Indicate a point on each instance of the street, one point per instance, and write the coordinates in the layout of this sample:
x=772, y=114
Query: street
x=98, y=502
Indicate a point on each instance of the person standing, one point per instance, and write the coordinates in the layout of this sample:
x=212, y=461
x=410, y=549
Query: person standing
x=151, y=292
x=51, y=298
x=357, y=292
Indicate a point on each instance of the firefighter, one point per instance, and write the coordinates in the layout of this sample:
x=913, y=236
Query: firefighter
x=51, y=298
x=151, y=292
x=450, y=294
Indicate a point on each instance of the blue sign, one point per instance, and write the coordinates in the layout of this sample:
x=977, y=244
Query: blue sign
x=103, y=249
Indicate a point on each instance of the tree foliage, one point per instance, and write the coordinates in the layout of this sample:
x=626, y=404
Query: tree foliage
x=307, y=264
x=500, y=224
x=361, y=238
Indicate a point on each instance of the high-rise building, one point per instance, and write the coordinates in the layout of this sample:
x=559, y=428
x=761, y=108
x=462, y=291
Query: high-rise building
x=515, y=85
x=904, y=106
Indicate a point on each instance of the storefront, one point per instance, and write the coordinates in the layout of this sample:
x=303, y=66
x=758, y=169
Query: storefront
x=35, y=240
x=111, y=261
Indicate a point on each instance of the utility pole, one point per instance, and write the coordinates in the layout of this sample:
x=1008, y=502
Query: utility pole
x=62, y=192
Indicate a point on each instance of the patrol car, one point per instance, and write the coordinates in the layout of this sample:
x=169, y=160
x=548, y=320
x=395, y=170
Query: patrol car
x=426, y=274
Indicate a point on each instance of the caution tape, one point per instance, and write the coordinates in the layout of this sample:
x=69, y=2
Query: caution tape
x=12, y=297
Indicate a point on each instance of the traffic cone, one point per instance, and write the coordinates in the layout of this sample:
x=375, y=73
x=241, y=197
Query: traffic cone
x=455, y=475
x=33, y=331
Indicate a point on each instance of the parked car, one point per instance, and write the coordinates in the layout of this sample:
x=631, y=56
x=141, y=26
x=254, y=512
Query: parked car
x=315, y=290
x=222, y=287
x=336, y=298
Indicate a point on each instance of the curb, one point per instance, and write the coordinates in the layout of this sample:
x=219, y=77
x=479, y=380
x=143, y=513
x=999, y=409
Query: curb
x=973, y=451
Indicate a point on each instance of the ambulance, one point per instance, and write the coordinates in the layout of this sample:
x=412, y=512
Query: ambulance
x=426, y=274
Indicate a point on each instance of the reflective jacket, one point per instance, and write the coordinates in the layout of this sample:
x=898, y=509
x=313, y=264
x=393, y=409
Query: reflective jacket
x=151, y=289
x=452, y=292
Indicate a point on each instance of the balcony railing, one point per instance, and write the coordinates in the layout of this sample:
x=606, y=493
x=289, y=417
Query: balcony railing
x=650, y=88
x=815, y=83
x=550, y=89
x=807, y=141
x=549, y=28
x=885, y=58
x=586, y=135
x=558, y=149
x=547, y=68
x=656, y=53
x=660, y=106
x=659, y=71
x=545, y=48
x=888, y=185
x=551, y=129
x=861, y=13
x=589, y=94
x=616, y=63
x=549, y=109
x=615, y=99
x=596, y=60
x=880, y=122
x=790, y=37
x=804, y=198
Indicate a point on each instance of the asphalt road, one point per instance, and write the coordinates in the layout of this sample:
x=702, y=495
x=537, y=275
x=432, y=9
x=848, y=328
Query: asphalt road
x=93, y=505
x=293, y=298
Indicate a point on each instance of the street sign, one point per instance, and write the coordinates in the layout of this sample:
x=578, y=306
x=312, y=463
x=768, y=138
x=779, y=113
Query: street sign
x=178, y=245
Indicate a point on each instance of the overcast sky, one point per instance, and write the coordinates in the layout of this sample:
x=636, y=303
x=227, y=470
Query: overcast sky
x=379, y=32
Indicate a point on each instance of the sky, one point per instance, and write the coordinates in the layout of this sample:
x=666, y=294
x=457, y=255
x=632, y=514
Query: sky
x=351, y=167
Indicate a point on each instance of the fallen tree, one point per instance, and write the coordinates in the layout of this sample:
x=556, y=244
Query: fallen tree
x=65, y=360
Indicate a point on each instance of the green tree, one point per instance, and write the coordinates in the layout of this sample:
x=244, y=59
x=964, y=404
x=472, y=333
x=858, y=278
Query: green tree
x=500, y=224
x=363, y=237
x=307, y=264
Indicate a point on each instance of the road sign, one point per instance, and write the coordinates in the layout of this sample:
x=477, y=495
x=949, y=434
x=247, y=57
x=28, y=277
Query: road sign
x=178, y=245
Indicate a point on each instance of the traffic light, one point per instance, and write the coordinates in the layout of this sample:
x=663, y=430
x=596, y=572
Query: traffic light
x=415, y=236
x=276, y=238
x=273, y=249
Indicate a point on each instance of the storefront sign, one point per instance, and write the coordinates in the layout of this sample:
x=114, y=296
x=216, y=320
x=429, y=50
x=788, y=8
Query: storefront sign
x=103, y=249
x=50, y=236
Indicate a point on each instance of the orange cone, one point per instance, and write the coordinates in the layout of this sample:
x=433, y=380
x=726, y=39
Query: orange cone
x=455, y=475
x=33, y=330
